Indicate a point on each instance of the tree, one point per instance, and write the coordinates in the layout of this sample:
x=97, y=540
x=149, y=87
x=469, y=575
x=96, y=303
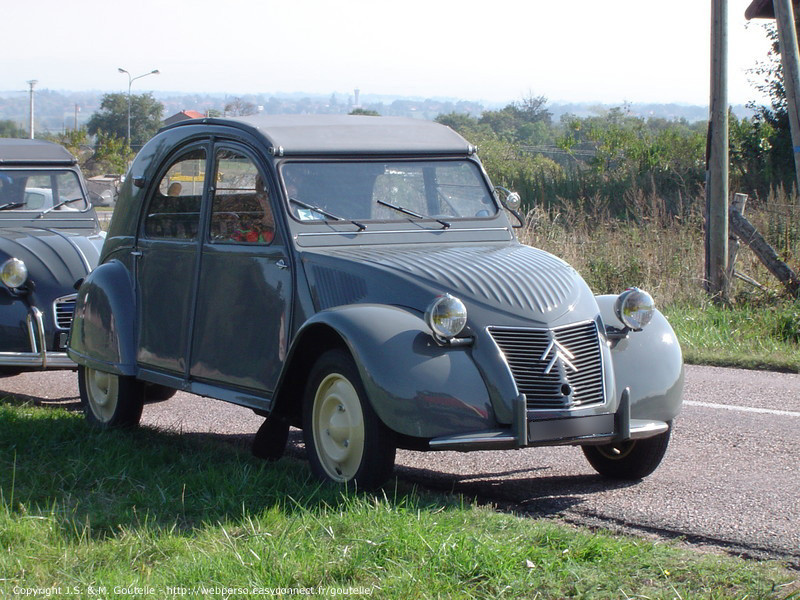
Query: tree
x=771, y=123
x=365, y=112
x=112, y=118
x=240, y=108
x=10, y=129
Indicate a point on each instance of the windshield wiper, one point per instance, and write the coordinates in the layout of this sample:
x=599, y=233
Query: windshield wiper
x=10, y=205
x=411, y=213
x=58, y=205
x=325, y=213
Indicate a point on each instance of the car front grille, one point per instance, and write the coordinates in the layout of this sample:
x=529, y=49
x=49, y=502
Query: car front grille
x=555, y=368
x=63, y=308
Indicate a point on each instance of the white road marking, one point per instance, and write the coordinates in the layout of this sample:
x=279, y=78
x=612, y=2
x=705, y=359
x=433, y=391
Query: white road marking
x=750, y=409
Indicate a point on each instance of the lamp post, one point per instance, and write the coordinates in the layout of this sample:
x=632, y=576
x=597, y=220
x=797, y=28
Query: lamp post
x=32, y=83
x=130, y=81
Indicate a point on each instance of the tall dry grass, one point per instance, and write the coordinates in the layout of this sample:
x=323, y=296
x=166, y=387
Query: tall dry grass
x=658, y=251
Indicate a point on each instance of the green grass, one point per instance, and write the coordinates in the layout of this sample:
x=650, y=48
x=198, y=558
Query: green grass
x=82, y=508
x=750, y=335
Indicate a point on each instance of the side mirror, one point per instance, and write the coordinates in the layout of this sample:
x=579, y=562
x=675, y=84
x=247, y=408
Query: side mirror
x=511, y=201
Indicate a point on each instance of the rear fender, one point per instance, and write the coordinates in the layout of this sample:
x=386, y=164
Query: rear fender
x=416, y=387
x=102, y=335
x=650, y=363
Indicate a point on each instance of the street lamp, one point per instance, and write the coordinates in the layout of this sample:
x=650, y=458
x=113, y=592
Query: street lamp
x=130, y=81
x=32, y=83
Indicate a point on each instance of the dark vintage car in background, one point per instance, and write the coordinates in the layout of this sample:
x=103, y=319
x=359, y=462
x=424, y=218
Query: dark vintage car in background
x=49, y=240
x=359, y=277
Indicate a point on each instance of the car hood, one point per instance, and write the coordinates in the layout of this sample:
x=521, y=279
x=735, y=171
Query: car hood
x=53, y=257
x=518, y=280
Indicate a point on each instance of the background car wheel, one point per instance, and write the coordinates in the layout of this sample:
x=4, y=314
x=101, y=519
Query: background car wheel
x=158, y=393
x=345, y=439
x=271, y=438
x=110, y=400
x=633, y=459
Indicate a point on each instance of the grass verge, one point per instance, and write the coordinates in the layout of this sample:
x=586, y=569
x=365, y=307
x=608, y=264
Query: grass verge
x=748, y=335
x=148, y=514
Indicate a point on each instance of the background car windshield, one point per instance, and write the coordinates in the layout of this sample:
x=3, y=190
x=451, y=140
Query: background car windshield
x=354, y=190
x=38, y=190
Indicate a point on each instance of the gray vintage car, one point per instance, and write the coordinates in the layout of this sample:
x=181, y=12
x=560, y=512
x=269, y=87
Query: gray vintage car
x=49, y=239
x=359, y=277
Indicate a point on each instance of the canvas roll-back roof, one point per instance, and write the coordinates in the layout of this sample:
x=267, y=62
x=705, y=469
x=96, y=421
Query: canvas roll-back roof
x=290, y=135
x=33, y=152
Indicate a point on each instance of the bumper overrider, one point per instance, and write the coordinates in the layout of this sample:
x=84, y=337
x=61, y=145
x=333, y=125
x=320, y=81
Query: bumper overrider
x=39, y=356
x=526, y=431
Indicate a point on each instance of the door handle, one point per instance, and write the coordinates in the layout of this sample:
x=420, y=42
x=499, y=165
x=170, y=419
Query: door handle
x=281, y=264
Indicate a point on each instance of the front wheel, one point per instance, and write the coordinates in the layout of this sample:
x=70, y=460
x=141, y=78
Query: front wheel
x=632, y=459
x=110, y=400
x=345, y=439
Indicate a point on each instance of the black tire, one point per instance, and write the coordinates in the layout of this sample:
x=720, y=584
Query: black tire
x=631, y=460
x=158, y=393
x=345, y=440
x=271, y=438
x=110, y=401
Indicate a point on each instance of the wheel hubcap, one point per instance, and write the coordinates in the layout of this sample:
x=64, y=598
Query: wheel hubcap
x=102, y=390
x=338, y=427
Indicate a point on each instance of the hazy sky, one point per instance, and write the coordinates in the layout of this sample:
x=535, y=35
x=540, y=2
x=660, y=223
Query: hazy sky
x=495, y=51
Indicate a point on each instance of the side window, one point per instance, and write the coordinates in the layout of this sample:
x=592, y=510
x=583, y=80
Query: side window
x=240, y=209
x=174, y=209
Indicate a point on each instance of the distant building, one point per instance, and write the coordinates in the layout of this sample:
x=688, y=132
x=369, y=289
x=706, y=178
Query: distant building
x=183, y=116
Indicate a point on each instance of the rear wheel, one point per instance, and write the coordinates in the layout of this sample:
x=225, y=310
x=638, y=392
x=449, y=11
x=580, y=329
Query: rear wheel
x=158, y=393
x=632, y=459
x=345, y=439
x=110, y=400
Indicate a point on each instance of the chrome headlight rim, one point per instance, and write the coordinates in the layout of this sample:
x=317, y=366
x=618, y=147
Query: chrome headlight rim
x=13, y=273
x=446, y=317
x=634, y=308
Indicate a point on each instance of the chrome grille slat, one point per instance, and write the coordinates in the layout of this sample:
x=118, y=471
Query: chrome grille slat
x=63, y=308
x=523, y=350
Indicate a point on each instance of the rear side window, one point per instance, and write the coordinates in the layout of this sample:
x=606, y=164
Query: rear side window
x=174, y=209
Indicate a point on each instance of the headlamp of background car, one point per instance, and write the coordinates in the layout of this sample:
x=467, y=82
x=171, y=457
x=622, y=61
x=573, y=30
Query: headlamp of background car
x=14, y=273
x=446, y=316
x=634, y=307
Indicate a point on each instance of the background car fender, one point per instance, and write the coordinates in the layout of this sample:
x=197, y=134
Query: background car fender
x=650, y=363
x=102, y=334
x=416, y=387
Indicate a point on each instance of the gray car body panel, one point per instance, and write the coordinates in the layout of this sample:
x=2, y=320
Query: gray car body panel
x=371, y=288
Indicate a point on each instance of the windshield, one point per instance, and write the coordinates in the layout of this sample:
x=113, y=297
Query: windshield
x=41, y=190
x=377, y=190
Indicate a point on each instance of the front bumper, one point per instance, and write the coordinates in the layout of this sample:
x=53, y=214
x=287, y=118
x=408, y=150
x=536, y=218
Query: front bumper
x=38, y=357
x=524, y=432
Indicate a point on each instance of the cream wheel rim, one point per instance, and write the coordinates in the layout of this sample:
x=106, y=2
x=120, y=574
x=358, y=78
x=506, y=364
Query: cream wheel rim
x=617, y=451
x=102, y=390
x=338, y=427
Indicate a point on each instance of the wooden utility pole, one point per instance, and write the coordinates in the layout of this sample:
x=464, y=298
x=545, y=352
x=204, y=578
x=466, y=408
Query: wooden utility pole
x=787, y=38
x=717, y=157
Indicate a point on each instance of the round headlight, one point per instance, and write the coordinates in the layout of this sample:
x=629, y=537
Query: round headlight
x=446, y=316
x=634, y=308
x=14, y=273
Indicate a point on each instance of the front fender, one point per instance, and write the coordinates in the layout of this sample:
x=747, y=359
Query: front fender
x=650, y=363
x=102, y=334
x=416, y=387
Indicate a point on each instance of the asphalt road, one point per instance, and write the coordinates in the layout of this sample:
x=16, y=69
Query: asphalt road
x=730, y=480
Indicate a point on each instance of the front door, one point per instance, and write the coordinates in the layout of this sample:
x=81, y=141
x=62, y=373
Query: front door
x=169, y=246
x=244, y=291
